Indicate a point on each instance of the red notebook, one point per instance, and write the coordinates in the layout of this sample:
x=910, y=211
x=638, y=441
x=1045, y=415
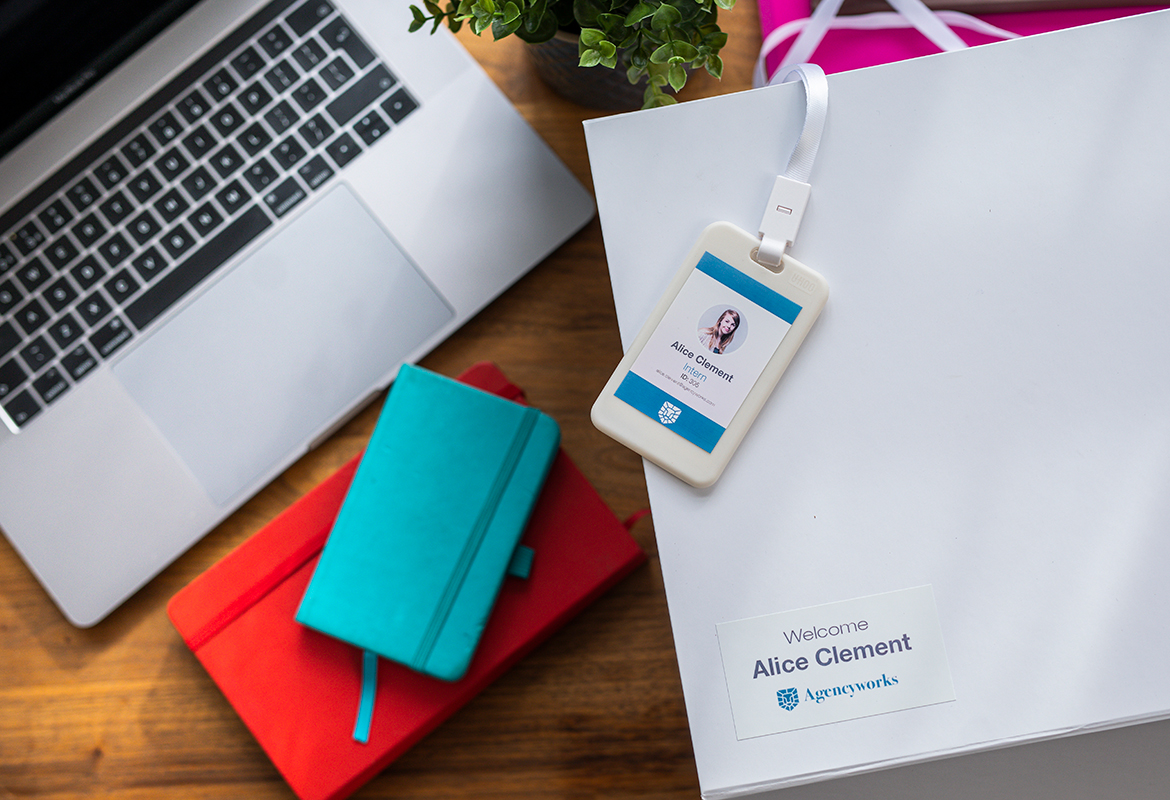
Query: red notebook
x=298, y=691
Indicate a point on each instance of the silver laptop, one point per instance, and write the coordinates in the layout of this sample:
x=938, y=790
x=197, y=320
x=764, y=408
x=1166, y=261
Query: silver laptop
x=220, y=233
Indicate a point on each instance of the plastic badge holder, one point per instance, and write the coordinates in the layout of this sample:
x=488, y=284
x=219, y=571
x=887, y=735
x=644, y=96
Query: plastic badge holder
x=684, y=406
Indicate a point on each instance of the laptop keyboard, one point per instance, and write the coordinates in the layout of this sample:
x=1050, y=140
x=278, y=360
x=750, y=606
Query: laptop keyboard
x=106, y=245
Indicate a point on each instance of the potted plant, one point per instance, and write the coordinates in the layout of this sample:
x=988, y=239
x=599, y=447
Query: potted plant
x=653, y=41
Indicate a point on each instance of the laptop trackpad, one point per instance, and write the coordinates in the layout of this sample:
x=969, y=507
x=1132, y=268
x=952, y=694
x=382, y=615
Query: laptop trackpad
x=298, y=332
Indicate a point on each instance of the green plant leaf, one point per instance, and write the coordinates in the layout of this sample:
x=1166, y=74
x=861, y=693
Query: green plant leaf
x=678, y=77
x=501, y=30
x=715, y=67
x=586, y=11
x=535, y=31
x=591, y=37
x=666, y=16
x=590, y=58
x=726, y=5
x=433, y=7
x=676, y=49
x=639, y=13
x=419, y=19
x=511, y=14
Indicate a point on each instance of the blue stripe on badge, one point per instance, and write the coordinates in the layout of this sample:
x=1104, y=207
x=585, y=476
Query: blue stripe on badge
x=669, y=411
x=749, y=287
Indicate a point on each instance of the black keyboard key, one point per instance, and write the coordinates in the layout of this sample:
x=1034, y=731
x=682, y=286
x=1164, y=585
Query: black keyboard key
x=308, y=16
x=82, y=194
x=9, y=337
x=276, y=40
x=193, y=106
x=199, y=142
x=116, y=208
x=205, y=219
x=232, y=197
x=363, y=93
x=281, y=117
x=145, y=185
x=285, y=197
x=308, y=95
x=220, y=85
x=60, y=294
x=171, y=205
x=254, y=139
x=282, y=76
x=33, y=274
x=149, y=264
x=399, y=105
x=11, y=376
x=87, y=272
x=107, y=339
x=9, y=297
x=28, y=238
x=200, y=182
x=316, y=131
x=61, y=252
x=165, y=129
x=65, y=330
x=54, y=217
x=226, y=161
x=172, y=164
x=288, y=153
x=248, y=63
x=226, y=119
x=178, y=240
x=309, y=55
x=338, y=35
x=371, y=127
x=37, y=353
x=261, y=174
x=203, y=262
x=22, y=408
x=336, y=73
x=94, y=309
x=8, y=258
x=115, y=250
x=144, y=227
x=315, y=172
x=89, y=230
x=254, y=98
x=78, y=361
x=31, y=316
x=51, y=385
x=343, y=150
x=138, y=150
x=122, y=286
x=111, y=172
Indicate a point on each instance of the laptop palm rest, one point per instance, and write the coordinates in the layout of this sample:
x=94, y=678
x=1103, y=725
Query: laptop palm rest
x=292, y=337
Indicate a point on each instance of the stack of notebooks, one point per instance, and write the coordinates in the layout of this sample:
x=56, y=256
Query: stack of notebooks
x=381, y=561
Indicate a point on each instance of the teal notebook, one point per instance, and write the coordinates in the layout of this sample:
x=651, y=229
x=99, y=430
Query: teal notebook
x=429, y=526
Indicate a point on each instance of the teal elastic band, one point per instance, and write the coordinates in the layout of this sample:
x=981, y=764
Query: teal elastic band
x=365, y=717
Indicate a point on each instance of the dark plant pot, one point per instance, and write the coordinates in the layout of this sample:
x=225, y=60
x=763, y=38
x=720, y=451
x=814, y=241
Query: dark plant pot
x=596, y=87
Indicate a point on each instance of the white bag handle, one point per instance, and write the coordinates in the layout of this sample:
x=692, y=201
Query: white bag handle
x=810, y=31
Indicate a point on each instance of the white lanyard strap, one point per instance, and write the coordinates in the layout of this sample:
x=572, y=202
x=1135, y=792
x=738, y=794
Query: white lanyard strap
x=791, y=191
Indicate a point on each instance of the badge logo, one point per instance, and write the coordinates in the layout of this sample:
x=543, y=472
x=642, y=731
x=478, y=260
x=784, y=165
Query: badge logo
x=669, y=413
x=788, y=698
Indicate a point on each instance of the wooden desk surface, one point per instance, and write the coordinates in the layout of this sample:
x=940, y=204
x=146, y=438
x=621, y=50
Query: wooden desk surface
x=123, y=710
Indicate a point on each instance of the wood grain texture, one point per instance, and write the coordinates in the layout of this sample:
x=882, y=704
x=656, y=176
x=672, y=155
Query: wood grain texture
x=123, y=710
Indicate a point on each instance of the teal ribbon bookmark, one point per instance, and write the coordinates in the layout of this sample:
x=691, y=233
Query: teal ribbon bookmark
x=365, y=717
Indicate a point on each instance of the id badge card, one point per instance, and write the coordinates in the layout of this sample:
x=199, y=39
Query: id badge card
x=706, y=360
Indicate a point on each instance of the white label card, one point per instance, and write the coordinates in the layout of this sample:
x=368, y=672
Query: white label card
x=835, y=662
